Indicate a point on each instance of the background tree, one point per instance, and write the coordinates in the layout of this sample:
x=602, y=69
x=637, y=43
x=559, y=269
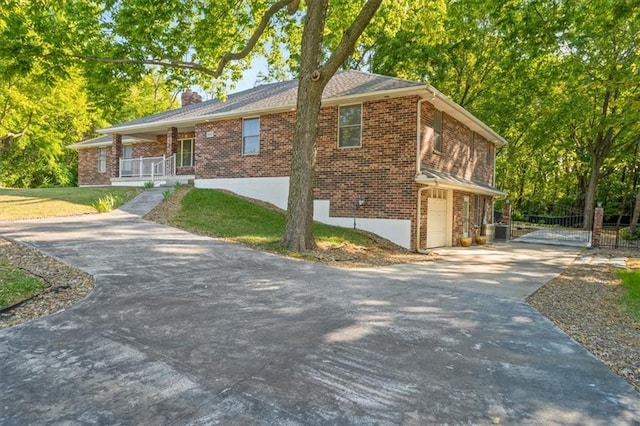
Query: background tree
x=558, y=79
x=48, y=101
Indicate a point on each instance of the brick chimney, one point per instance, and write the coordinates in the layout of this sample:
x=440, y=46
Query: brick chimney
x=189, y=97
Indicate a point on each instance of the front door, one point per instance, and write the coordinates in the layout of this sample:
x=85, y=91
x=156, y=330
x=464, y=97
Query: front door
x=127, y=154
x=437, y=220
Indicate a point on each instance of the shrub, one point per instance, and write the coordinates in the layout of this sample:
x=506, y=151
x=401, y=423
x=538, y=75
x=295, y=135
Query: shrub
x=166, y=193
x=177, y=185
x=625, y=234
x=516, y=216
x=148, y=185
x=107, y=203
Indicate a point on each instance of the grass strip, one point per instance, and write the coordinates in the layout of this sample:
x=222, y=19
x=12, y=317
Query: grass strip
x=220, y=214
x=17, y=285
x=631, y=298
x=51, y=202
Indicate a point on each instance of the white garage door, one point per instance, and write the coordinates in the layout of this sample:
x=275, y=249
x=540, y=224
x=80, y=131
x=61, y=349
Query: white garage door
x=436, y=222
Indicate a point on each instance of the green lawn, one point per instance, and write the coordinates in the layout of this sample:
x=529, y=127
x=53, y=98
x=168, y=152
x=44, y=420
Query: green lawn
x=220, y=214
x=631, y=284
x=49, y=202
x=16, y=285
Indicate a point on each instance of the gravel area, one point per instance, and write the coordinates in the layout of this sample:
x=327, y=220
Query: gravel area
x=65, y=285
x=583, y=302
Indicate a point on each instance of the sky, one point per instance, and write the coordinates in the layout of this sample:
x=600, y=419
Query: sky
x=249, y=79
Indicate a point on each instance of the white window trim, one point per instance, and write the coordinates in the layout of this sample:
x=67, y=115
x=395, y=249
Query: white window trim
x=259, y=135
x=180, y=145
x=100, y=163
x=361, y=126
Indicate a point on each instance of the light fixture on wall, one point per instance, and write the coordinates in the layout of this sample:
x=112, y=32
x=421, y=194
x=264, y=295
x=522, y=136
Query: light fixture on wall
x=358, y=203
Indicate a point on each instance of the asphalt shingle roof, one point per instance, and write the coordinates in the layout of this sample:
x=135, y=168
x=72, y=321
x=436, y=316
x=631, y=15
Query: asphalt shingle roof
x=273, y=95
x=105, y=140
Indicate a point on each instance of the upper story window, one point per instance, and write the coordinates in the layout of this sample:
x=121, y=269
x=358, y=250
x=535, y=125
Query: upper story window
x=350, y=126
x=437, y=131
x=184, y=153
x=251, y=136
x=472, y=144
x=489, y=153
x=102, y=160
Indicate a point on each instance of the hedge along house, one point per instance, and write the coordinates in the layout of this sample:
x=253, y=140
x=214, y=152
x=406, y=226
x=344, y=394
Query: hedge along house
x=394, y=157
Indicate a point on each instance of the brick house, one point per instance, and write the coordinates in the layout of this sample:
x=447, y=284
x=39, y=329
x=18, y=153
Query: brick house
x=395, y=157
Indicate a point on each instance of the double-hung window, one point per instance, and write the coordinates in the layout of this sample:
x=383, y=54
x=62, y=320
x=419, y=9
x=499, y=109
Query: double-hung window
x=102, y=160
x=184, y=154
x=350, y=126
x=437, y=131
x=472, y=144
x=251, y=136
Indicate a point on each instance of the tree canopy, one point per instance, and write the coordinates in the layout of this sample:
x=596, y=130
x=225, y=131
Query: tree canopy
x=559, y=79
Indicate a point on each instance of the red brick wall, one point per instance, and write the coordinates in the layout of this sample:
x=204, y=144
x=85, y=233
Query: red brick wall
x=456, y=145
x=221, y=155
x=149, y=149
x=381, y=171
x=88, y=167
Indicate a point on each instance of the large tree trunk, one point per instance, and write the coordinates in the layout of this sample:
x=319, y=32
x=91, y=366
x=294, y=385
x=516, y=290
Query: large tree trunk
x=313, y=78
x=636, y=213
x=590, y=196
x=298, y=233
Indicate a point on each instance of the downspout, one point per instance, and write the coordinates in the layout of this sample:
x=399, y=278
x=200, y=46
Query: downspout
x=418, y=134
x=418, y=173
x=495, y=154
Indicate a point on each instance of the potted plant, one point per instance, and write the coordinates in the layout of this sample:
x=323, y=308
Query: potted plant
x=466, y=241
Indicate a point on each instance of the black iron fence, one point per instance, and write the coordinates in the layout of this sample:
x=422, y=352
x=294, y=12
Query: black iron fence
x=558, y=223
x=617, y=236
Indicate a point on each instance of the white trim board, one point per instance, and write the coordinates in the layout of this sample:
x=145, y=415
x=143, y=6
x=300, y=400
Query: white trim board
x=397, y=231
x=274, y=190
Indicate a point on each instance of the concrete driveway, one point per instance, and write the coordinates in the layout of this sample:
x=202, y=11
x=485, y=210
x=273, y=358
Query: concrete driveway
x=183, y=329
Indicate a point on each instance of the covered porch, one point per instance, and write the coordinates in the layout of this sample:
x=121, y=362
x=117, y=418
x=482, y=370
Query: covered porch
x=155, y=156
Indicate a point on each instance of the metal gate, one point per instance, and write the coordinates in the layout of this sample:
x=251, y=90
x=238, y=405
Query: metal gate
x=557, y=225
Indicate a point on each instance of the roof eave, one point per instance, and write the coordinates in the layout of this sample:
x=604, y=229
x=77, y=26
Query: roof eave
x=92, y=145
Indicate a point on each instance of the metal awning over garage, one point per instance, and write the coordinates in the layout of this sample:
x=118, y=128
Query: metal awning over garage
x=445, y=180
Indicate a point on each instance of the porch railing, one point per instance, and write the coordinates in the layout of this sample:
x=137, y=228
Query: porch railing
x=151, y=167
x=164, y=167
